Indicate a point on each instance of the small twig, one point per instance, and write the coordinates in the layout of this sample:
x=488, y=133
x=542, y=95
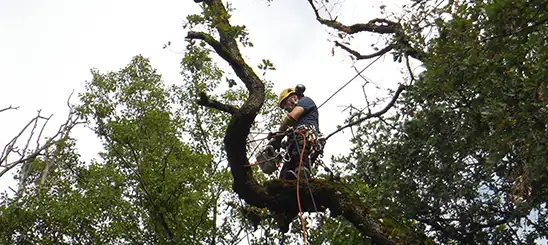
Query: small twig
x=387, y=124
x=366, y=99
x=362, y=76
x=9, y=108
x=409, y=69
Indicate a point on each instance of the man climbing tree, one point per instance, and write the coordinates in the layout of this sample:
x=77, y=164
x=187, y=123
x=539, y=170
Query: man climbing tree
x=303, y=145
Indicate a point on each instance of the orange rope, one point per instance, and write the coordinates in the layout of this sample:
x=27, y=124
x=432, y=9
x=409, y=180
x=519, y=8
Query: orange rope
x=298, y=180
x=254, y=164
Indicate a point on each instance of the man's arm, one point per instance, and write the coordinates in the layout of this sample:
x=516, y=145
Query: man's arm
x=292, y=118
x=289, y=121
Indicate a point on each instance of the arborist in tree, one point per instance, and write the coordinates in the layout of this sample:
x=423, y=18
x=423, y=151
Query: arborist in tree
x=302, y=131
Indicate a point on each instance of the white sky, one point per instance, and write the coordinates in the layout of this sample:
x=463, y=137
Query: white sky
x=48, y=47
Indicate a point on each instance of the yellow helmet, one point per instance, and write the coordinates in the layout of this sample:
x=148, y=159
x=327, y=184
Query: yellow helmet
x=284, y=94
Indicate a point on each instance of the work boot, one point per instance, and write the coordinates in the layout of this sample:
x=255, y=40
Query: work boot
x=292, y=174
x=289, y=175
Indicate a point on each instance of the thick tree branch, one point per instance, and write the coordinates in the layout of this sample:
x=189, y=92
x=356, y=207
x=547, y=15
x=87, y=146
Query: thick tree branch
x=219, y=48
x=371, y=115
x=242, y=119
x=359, y=56
x=206, y=101
x=328, y=194
x=378, y=25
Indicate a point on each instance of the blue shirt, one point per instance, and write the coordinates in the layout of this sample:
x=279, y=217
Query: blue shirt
x=310, y=115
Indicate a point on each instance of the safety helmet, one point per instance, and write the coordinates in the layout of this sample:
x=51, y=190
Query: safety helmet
x=284, y=94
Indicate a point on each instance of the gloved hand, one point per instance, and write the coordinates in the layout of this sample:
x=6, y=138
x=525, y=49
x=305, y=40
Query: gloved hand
x=271, y=135
x=276, y=142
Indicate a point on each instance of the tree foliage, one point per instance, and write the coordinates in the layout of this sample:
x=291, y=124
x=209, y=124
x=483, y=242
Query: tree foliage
x=464, y=153
x=148, y=186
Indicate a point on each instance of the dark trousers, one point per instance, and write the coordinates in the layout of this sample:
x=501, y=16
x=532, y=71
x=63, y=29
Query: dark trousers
x=295, y=146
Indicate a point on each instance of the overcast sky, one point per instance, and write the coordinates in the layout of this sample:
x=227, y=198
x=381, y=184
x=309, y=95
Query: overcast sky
x=48, y=47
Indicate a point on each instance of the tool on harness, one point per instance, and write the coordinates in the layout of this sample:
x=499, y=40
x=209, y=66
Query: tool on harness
x=268, y=158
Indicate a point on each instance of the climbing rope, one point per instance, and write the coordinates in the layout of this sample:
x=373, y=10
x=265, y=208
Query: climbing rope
x=352, y=79
x=303, y=225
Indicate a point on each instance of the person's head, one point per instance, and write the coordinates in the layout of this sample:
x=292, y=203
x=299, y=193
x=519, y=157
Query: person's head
x=288, y=99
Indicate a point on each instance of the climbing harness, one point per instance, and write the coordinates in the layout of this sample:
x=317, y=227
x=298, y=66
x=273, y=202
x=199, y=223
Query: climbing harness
x=266, y=156
x=270, y=159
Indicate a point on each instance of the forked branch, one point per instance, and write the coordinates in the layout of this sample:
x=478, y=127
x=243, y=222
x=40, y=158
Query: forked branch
x=28, y=153
x=378, y=26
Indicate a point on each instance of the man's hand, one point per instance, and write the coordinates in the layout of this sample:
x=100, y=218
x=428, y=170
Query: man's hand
x=276, y=142
x=271, y=135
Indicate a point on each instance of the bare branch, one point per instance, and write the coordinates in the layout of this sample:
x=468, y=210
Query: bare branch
x=371, y=115
x=206, y=101
x=377, y=25
x=10, y=147
x=45, y=172
x=368, y=104
x=311, y=2
x=9, y=108
x=380, y=26
x=33, y=129
x=26, y=157
x=359, y=56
